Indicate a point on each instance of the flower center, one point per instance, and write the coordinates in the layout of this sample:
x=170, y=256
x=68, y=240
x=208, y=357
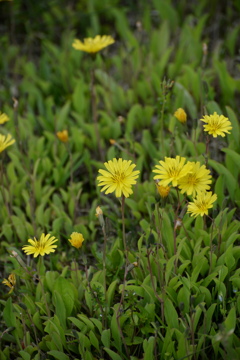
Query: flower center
x=118, y=177
x=203, y=205
x=192, y=179
x=216, y=125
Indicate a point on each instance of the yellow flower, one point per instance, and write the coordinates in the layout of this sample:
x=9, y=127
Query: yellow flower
x=10, y=282
x=5, y=141
x=216, y=124
x=93, y=45
x=76, y=240
x=119, y=178
x=162, y=190
x=196, y=181
x=40, y=247
x=3, y=118
x=63, y=135
x=181, y=115
x=201, y=204
x=171, y=170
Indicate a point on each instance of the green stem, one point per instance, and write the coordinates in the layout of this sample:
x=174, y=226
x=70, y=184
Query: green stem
x=94, y=111
x=71, y=165
x=162, y=120
x=123, y=226
x=40, y=281
x=207, y=150
x=104, y=261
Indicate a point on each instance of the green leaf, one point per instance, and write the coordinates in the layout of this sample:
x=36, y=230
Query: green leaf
x=148, y=351
x=115, y=332
x=167, y=12
x=64, y=288
x=235, y=156
x=184, y=298
x=86, y=321
x=93, y=339
x=219, y=190
x=105, y=338
x=169, y=268
x=170, y=314
x=231, y=182
x=58, y=355
x=38, y=321
x=111, y=291
x=235, y=132
x=230, y=322
x=80, y=325
x=60, y=308
x=112, y=354
x=8, y=314
x=25, y=355
x=62, y=115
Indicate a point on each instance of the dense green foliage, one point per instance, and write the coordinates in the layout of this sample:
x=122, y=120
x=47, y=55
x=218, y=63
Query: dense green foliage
x=149, y=302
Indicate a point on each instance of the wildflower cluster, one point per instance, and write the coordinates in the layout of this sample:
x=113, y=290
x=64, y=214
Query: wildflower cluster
x=46, y=244
x=192, y=178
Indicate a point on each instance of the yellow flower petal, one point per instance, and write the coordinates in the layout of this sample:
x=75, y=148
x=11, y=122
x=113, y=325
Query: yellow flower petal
x=203, y=202
x=42, y=246
x=119, y=178
x=76, y=240
x=216, y=125
x=93, y=45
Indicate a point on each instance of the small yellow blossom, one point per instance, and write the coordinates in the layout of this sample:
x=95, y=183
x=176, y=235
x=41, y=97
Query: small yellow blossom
x=3, y=118
x=5, y=141
x=112, y=141
x=181, y=115
x=76, y=240
x=93, y=45
x=171, y=170
x=119, y=178
x=10, y=282
x=216, y=125
x=40, y=247
x=63, y=135
x=201, y=204
x=196, y=181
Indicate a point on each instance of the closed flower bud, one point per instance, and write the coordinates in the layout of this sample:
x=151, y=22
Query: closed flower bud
x=181, y=115
x=112, y=141
x=63, y=136
x=99, y=214
x=76, y=240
